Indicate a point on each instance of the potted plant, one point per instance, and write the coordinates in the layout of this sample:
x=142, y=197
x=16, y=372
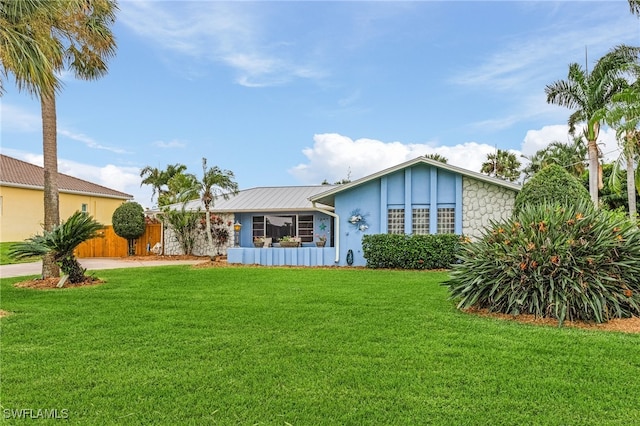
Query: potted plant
x=258, y=242
x=288, y=241
x=322, y=240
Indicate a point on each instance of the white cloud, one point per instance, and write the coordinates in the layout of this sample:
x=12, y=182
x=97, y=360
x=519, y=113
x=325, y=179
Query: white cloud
x=536, y=140
x=125, y=179
x=333, y=156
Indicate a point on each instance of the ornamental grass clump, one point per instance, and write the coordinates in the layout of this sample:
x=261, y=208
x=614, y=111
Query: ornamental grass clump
x=554, y=261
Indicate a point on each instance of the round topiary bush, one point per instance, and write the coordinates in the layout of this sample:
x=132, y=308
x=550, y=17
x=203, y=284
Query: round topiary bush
x=552, y=184
x=563, y=262
x=128, y=223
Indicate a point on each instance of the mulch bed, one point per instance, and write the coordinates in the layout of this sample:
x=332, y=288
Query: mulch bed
x=51, y=283
x=626, y=325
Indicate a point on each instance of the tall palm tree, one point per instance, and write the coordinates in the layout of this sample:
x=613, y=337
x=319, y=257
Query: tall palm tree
x=26, y=48
x=586, y=93
x=624, y=116
x=40, y=39
x=502, y=164
x=634, y=6
x=215, y=183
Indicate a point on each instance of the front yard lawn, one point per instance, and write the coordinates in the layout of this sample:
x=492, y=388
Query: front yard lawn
x=180, y=345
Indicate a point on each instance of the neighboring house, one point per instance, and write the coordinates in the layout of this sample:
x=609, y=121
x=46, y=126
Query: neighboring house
x=22, y=199
x=421, y=196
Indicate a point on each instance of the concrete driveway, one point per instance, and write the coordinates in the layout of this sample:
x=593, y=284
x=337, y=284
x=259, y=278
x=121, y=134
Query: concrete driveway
x=92, y=264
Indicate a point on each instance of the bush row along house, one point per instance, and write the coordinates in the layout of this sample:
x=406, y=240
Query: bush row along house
x=420, y=196
x=22, y=195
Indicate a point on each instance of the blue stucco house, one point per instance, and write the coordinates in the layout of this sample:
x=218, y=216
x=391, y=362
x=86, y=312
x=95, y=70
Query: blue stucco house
x=420, y=196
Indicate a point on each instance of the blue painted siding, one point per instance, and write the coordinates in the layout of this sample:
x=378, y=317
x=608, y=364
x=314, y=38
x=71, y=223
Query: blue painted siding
x=446, y=187
x=277, y=256
x=365, y=197
x=421, y=186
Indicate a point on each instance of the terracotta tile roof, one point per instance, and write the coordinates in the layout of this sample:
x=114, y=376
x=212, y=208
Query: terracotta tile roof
x=17, y=173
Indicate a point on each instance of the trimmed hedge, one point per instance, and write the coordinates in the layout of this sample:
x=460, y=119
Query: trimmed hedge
x=399, y=251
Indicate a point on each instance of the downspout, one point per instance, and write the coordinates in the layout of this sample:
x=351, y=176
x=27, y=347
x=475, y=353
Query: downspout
x=336, y=231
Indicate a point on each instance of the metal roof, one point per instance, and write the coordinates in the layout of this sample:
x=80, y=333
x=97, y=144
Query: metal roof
x=328, y=197
x=20, y=174
x=265, y=199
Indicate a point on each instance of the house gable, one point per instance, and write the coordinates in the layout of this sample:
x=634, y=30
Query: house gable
x=421, y=196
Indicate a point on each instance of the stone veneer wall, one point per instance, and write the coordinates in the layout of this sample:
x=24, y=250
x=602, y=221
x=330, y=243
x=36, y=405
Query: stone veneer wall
x=483, y=202
x=172, y=247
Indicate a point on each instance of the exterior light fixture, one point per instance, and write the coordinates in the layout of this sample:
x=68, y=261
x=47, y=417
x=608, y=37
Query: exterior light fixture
x=236, y=228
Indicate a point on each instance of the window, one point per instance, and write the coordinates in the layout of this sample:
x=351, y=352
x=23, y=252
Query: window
x=258, y=226
x=420, y=221
x=85, y=208
x=305, y=228
x=395, y=221
x=446, y=220
x=278, y=226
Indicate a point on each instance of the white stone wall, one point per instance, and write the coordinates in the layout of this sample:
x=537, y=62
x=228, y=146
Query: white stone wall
x=172, y=246
x=483, y=202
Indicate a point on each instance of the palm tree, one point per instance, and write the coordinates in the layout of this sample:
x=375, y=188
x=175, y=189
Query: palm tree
x=215, y=182
x=634, y=6
x=26, y=49
x=40, y=39
x=158, y=179
x=152, y=176
x=502, y=164
x=570, y=156
x=624, y=116
x=180, y=190
x=586, y=93
x=437, y=157
x=60, y=243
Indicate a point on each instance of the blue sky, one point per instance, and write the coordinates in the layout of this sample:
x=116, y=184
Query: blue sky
x=292, y=93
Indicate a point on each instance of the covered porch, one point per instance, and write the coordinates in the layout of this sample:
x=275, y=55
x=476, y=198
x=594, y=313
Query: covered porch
x=283, y=256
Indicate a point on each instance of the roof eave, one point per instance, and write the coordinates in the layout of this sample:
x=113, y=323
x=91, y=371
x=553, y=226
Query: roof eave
x=67, y=191
x=327, y=197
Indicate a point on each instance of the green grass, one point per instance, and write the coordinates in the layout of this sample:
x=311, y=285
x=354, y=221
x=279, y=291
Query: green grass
x=5, y=259
x=277, y=346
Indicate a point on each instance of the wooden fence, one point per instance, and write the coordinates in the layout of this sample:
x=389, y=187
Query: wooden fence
x=111, y=245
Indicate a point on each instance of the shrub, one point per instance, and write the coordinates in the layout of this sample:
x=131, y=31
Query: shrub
x=128, y=222
x=553, y=261
x=553, y=184
x=410, y=251
x=184, y=224
x=62, y=240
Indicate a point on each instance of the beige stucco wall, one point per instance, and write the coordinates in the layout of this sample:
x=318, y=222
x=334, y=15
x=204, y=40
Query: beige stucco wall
x=22, y=210
x=483, y=202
